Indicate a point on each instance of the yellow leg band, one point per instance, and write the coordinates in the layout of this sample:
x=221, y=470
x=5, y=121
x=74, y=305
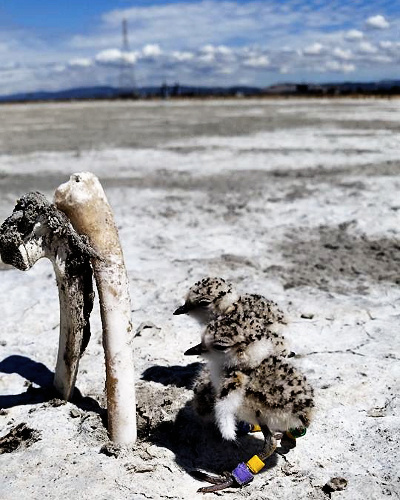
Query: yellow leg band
x=255, y=428
x=255, y=464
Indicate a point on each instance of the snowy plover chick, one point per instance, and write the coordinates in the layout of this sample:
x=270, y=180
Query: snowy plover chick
x=212, y=297
x=265, y=390
x=256, y=319
x=256, y=316
x=208, y=298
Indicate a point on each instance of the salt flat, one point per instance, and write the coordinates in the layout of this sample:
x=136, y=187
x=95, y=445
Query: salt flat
x=294, y=199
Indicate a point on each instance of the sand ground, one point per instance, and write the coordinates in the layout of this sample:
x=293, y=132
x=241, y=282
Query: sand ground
x=297, y=200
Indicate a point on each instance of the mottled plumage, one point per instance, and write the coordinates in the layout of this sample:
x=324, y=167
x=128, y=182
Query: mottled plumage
x=250, y=320
x=253, y=384
x=215, y=297
x=248, y=376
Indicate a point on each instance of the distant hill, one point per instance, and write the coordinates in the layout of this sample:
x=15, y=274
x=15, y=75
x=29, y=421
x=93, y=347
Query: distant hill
x=143, y=92
x=76, y=93
x=386, y=87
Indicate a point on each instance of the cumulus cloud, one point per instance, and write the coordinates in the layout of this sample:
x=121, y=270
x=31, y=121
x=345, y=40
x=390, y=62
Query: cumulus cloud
x=80, y=62
x=383, y=59
x=340, y=67
x=377, y=22
x=390, y=46
x=112, y=57
x=354, y=35
x=386, y=44
x=367, y=48
x=259, y=61
x=182, y=56
x=217, y=52
x=314, y=49
x=151, y=50
x=340, y=53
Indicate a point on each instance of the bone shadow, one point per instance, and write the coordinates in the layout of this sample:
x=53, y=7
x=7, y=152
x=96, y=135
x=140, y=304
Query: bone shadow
x=37, y=373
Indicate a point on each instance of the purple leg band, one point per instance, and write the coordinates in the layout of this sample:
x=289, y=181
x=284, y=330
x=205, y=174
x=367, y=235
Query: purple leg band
x=242, y=474
x=243, y=428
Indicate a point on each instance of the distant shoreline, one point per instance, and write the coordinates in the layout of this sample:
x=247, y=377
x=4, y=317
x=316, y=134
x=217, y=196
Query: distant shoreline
x=379, y=95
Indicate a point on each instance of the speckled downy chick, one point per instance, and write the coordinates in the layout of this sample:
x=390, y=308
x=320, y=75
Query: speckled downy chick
x=212, y=297
x=252, y=383
x=259, y=320
x=264, y=390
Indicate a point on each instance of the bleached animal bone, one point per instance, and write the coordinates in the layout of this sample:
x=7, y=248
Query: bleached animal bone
x=85, y=203
x=37, y=229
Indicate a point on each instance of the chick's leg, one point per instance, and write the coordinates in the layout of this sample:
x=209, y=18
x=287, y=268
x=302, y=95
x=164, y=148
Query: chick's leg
x=218, y=482
x=244, y=472
x=269, y=443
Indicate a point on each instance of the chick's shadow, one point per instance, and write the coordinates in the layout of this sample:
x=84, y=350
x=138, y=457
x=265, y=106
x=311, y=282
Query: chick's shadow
x=196, y=442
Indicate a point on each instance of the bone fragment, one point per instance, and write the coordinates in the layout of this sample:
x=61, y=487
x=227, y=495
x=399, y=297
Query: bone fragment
x=37, y=229
x=84, y=202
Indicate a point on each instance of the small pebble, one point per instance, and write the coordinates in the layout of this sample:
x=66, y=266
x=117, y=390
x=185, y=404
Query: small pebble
x=111, y=449
x=334, y=484
x=376, y=412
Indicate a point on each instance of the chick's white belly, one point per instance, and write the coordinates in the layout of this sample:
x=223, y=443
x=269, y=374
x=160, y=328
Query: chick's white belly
x=275, y=420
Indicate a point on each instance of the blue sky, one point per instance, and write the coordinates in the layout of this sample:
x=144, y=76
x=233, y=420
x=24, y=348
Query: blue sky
x=50, y=45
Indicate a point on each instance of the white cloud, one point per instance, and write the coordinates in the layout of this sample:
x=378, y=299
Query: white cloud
x=382, y=59
x=354, y=35
x=59, y=68
x=390, y=46
x=348, y=68
x=344, y=54
x=340, y=67
x=80, y=62
x=377, y=22
x=386, y=44
x=314, y=49
x=219, y=52
x=367, y=48
x=183, y=56
x=151, y=50
x=260, y=61
x=206, y=57
x=112, y=57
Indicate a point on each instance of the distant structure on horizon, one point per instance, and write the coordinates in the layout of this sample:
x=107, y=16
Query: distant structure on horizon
x=127, y=84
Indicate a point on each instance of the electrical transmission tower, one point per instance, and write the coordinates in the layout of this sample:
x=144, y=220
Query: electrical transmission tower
x=127, y=85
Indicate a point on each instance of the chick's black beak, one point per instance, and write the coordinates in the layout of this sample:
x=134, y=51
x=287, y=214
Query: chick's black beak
x=197, y=350
x=182, y=310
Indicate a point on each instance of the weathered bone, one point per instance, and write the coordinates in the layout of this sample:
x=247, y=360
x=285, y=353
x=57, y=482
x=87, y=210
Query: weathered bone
x=37, y=229
x=85, y=203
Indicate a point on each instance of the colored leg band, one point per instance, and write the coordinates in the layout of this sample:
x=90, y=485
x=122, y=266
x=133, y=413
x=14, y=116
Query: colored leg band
x=296, y=433
x=243, y=428
x=242, y=474
x=255, y=464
